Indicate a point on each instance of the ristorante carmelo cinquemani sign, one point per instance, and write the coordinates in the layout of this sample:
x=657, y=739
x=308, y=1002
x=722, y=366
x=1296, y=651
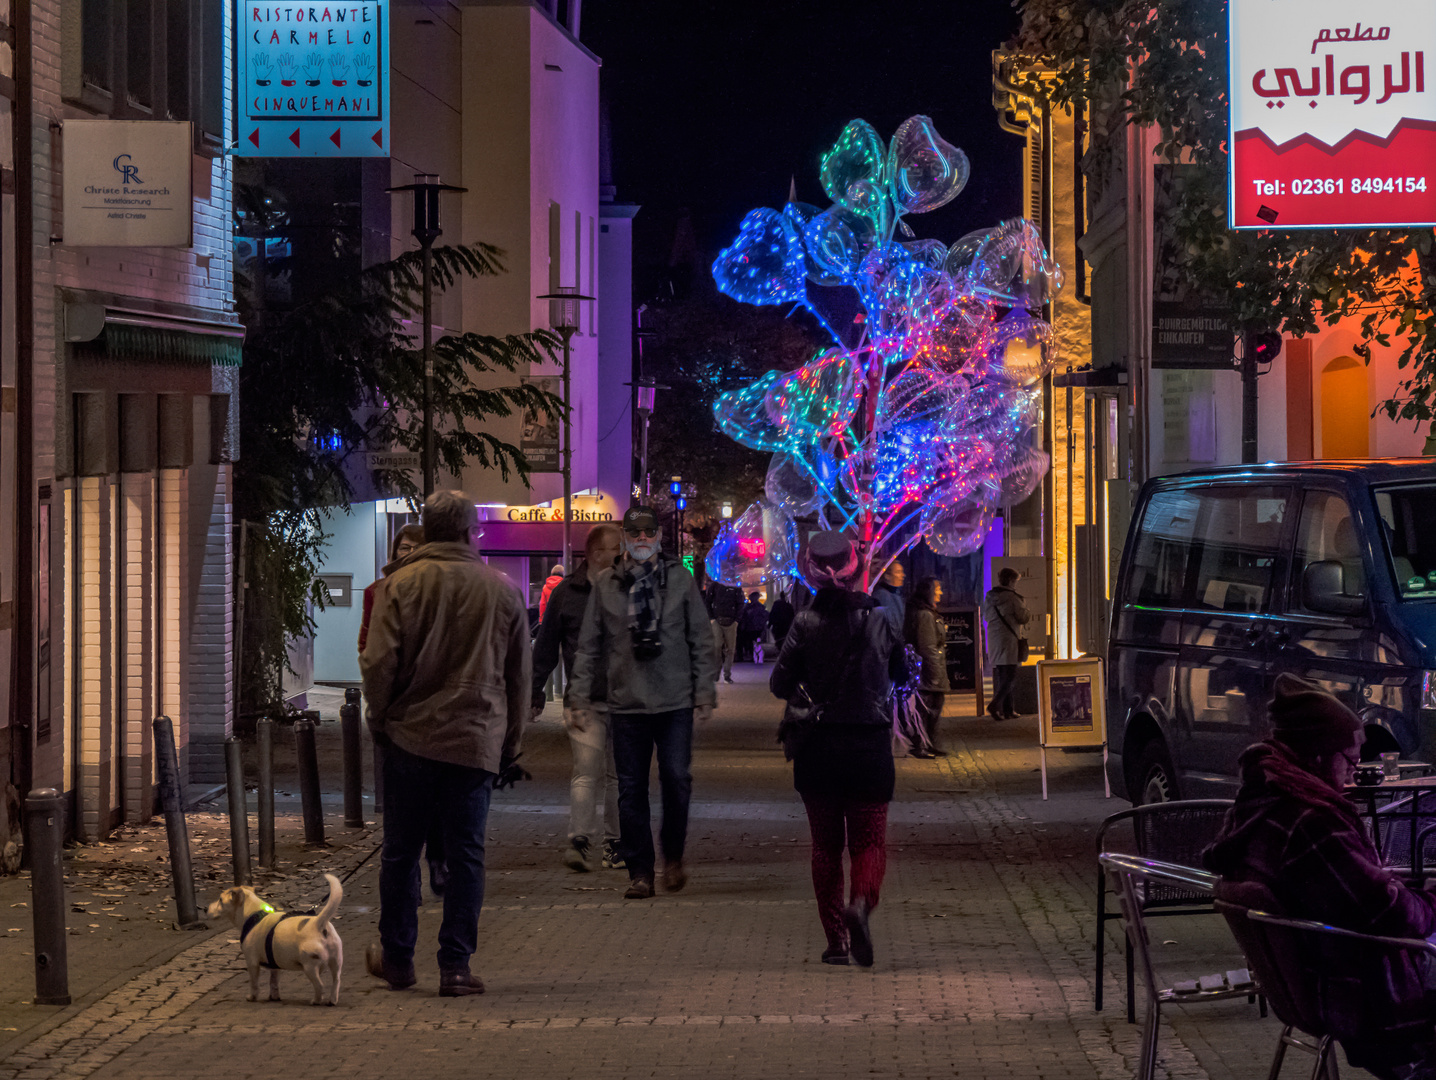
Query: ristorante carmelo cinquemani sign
x=1333, y=113
x=311, y=80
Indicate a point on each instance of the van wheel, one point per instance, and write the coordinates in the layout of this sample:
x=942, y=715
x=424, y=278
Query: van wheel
x=1156, y=780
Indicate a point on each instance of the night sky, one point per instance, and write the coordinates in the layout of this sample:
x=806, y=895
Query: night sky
x=715, y=105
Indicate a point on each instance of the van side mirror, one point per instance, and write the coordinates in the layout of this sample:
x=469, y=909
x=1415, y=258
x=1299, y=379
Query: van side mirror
x=1323, y=589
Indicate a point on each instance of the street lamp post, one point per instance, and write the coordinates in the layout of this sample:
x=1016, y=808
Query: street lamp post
x=426, y=230
x=645, y=393
x=563, y=318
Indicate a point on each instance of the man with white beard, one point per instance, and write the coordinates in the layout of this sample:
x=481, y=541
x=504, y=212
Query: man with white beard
x=647, y=628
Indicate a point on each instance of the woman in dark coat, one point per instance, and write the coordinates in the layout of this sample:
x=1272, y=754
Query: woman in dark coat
x=925, y=631
x=843, y=655
x=751, y=625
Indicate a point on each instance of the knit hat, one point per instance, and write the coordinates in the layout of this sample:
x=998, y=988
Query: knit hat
x=1309, y=719
x=830, y=560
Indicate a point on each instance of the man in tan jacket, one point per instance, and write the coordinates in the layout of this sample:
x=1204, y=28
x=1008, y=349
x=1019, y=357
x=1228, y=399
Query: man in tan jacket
x=446, y=680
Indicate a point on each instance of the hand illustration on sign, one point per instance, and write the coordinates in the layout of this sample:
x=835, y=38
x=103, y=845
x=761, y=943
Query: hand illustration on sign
x=364, y=70
x=313, y=69
x=262, y=69
x=286, y=70
x=339, y=69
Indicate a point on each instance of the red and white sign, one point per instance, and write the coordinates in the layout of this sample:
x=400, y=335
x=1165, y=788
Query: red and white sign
x=1333, y=113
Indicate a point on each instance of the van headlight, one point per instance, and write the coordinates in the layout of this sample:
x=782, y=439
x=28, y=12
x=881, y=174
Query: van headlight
x=1428, y=689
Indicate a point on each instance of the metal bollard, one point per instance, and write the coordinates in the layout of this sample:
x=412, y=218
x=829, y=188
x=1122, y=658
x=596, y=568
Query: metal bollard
x=264, y=742
x=307, y=757
x=176, y=829
x=353, y=761
x=238, y=811
x=45, y=821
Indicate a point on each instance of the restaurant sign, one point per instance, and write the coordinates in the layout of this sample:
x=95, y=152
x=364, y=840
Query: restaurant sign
x=312, y=80
x=1333, y=113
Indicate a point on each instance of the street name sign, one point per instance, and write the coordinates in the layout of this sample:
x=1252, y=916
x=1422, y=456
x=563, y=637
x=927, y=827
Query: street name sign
x=1333, y=113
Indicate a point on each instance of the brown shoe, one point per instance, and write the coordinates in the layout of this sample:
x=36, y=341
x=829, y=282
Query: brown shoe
x=459, y=983
x=398, y=978
x=639, y=889
x=675, y=876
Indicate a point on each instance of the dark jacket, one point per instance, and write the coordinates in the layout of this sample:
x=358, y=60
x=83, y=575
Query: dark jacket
x=893, y=602
x=724, y=602
x=927, y=633
x=446, y=666
x=846, y=655
x=558, y=633
x=754, y=619
x=781, y=618
x=1294, y=834
x=684, y=676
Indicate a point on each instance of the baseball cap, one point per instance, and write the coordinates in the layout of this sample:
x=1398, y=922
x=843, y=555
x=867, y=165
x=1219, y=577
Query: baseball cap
x=640, y=517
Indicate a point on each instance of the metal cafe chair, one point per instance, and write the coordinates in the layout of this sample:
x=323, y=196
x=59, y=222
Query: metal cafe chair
x=1174, y=832
x=1324, y=983
x=1130, y=876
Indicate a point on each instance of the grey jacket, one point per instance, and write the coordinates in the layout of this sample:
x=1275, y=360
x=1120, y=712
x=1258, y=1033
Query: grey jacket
x=446, y=666
x=1001, y=641
x=684, y=676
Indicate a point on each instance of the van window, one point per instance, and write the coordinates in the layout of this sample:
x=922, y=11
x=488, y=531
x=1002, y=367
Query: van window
x=1408, y=517
x=1327, y=534
x=1158, y=573
x=1238, y=538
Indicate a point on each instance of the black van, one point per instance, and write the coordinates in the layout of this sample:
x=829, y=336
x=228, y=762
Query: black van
x=1230, y=577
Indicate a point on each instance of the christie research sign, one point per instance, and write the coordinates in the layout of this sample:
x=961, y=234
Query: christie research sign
x=1333, y=113
x=127, y=183
x=312, y=80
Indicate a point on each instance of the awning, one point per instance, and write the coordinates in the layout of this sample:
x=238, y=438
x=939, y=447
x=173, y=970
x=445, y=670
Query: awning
x=100, y=332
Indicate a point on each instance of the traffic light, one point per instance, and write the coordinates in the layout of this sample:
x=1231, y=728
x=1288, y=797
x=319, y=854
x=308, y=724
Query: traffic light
x=1264, y=346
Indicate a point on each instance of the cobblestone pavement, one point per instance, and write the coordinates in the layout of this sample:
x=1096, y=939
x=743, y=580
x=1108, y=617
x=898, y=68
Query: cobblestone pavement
x=984, y=941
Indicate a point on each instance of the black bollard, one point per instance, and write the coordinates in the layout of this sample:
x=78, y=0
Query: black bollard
x=307, y=757
x=264, y=742
x=176, y=829
x=238, y=811
x=353, y=761
x=45, y=821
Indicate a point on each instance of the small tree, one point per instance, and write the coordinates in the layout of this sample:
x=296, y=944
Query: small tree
x=330, y=377
x=1164, y=65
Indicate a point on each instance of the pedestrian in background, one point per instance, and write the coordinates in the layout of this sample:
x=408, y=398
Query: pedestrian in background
x=925, y=631
x=888, y=593
x=550, y=583
x=780, y=619
x=447, y=681
x=838, y=665
x=1005, y=614
x=646, y=630
x=594, y=782
x=751, y=625
x=725, y=605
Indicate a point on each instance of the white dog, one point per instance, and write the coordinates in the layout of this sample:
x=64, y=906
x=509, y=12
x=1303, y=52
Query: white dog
x=283, y=942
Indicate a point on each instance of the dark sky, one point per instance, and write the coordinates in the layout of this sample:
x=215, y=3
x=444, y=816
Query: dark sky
x=714, y=104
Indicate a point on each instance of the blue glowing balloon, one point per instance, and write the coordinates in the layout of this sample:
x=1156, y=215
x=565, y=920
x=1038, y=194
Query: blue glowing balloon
x=857, y=157
x=924, y=170
x=836, y=241
x=765, y=265
x=742, y=417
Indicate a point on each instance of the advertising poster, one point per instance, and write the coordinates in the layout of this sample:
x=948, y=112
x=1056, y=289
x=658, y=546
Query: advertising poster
x=312, y=80
x=1070, y=703
x=539, y=439
x=1189, y=329
x=1333, y=113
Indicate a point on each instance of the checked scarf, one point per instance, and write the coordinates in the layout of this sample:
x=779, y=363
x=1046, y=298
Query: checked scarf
x=645, y=602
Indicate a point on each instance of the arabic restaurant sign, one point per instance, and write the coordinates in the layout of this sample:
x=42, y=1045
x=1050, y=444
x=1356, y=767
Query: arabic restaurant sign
x=1333, y=113
x=127, y=183
x=312, y=80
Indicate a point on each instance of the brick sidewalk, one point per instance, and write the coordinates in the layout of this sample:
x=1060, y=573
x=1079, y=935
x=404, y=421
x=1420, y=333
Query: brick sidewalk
x=984, y=942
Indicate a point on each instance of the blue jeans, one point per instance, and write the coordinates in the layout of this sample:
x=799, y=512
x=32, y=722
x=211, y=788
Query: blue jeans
x=635, y=735
x=418, y=792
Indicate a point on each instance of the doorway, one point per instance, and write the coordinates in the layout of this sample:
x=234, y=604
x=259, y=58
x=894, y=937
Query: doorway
x=1345, y=410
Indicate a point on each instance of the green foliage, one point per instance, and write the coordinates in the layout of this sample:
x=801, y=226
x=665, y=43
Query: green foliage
x=329, y=378
x=1133, y=62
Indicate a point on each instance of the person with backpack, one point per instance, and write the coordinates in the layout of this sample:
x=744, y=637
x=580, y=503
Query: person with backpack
x=836, y=671
x=1005, y=613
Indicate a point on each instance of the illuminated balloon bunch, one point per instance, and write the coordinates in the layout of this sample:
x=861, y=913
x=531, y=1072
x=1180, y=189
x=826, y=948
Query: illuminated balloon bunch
x=919, y=421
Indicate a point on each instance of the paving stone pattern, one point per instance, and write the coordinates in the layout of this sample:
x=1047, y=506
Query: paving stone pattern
x=984, y=940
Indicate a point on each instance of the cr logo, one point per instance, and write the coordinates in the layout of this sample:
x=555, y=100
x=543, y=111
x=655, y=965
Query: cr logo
x=129, y=174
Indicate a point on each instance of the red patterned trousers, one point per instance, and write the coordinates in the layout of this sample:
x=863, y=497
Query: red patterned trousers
x=862, y=828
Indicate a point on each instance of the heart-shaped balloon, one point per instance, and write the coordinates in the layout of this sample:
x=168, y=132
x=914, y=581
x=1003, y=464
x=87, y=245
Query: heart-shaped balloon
x=871, y=201
x=932, y=252
x=765, y=264
x=1021, y=349
x=956, y=530
x=1007, y=265
x=797, y=215
x=742, y=416
x=817, y=399
x=836, y=241
x=857, y=156
x=924, y=170
x=954, y=343
x=792, y=486
x=725, y=563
